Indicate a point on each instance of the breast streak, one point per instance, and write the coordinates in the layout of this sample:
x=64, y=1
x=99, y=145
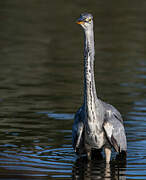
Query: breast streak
x=93, y=137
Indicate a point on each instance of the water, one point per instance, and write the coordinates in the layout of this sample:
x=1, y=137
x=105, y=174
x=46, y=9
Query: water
x=41, y=75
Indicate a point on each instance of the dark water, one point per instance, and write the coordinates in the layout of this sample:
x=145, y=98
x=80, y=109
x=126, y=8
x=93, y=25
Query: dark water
x=41, y=75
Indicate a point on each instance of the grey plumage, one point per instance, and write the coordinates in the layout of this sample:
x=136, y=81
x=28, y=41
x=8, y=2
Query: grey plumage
x=97, y=124
x=113, y=120
x=78, y=133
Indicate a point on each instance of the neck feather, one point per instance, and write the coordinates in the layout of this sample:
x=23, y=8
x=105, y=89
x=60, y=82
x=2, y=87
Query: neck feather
x=90, y=96
x=94, y=111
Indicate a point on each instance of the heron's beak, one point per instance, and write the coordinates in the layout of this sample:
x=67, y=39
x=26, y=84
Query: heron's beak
x=80, y=22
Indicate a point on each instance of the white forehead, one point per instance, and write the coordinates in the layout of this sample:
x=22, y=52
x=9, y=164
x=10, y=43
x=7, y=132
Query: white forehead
x=86, y=15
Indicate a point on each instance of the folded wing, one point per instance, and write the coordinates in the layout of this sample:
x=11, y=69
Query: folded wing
x=114, y=128
x=78, y=133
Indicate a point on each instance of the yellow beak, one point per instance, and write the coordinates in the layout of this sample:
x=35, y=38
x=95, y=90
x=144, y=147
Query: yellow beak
x=80, y=22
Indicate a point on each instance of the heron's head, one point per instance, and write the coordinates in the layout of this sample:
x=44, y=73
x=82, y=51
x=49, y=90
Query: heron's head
x=86, y=21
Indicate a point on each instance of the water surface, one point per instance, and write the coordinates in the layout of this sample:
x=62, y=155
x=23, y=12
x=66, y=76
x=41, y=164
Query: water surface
x=41, y=75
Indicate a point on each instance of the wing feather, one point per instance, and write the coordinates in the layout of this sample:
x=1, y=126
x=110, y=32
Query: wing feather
x=114, y=128
x=78, y=132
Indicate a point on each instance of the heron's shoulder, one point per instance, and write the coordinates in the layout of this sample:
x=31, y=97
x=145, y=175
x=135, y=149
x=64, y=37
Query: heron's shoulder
x=79, y=114
x=111, y=111
x=79, y=111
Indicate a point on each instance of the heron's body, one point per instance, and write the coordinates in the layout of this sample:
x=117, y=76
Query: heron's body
x=97, y=124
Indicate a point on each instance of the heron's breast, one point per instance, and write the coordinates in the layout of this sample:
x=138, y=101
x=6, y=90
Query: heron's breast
x=95, y=139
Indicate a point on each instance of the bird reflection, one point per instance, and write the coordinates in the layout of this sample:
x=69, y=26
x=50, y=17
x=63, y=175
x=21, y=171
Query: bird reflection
x=98, y=169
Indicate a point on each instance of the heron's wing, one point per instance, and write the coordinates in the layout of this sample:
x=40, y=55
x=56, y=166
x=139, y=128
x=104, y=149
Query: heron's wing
x=77, y=132
x=116, y=113
x=114, y=128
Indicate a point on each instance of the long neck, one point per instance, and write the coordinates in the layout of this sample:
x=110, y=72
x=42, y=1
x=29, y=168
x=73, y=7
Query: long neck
x=94, y=110
x=90, y=96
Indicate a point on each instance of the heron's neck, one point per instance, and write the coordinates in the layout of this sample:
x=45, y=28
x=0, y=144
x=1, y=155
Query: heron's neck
x=90, y=96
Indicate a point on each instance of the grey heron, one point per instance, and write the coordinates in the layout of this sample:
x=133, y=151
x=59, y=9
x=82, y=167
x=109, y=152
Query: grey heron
x=97, y=125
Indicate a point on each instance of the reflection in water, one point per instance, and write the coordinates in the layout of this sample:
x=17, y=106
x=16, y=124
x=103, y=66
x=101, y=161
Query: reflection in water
x=86, y=170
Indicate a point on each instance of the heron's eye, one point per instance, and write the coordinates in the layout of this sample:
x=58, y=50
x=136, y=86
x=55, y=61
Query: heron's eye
x=88, y=20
